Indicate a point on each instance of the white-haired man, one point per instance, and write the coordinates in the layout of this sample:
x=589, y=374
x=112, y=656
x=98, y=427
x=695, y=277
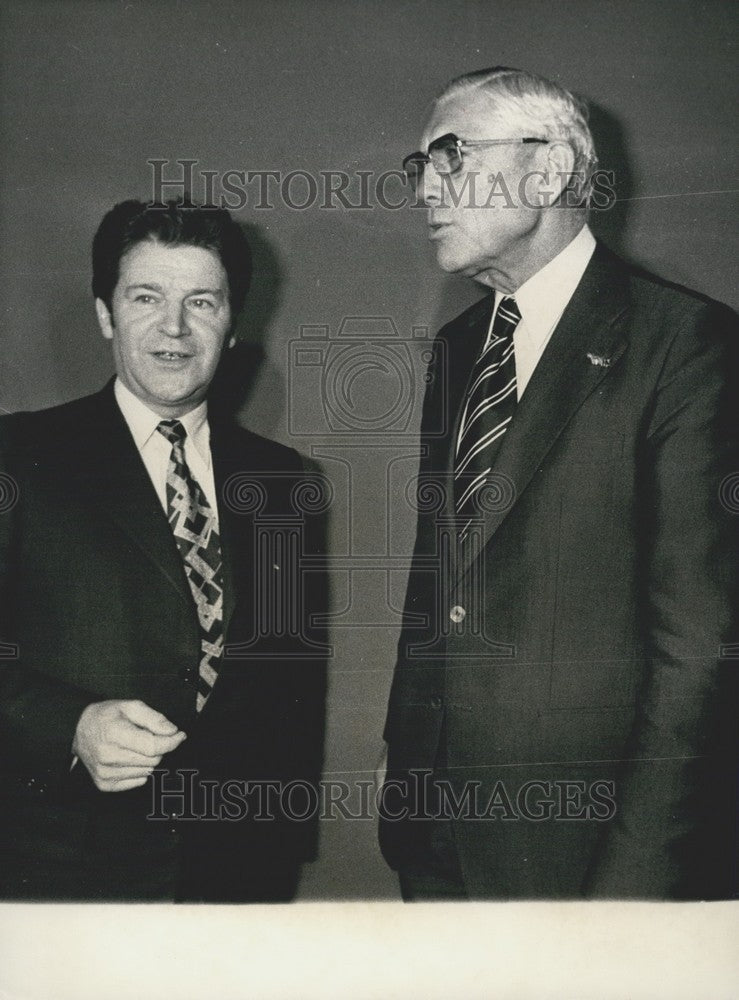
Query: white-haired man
x=560, y=716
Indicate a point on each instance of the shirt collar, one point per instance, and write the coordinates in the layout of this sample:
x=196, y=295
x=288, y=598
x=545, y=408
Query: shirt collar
x=542, y=299
x=143, y=422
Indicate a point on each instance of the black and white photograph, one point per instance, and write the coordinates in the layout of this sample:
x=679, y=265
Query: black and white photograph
x=369, y=491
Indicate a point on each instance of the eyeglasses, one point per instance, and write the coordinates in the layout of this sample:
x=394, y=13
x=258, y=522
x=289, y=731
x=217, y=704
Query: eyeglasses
x=445, y=153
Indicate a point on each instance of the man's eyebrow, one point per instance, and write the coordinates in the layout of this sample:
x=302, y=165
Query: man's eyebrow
x=153, y=287
x=207, y=291
x=143, y=284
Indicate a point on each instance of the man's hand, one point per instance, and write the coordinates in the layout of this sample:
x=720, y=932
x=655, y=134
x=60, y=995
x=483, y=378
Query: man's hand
x=121, y=742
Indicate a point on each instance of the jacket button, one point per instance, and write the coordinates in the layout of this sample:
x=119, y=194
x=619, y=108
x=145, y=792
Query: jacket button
x=437, y=701
x=457, y=614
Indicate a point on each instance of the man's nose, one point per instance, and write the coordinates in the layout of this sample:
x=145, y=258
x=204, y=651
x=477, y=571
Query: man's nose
x=173, y=320
x=430, y=187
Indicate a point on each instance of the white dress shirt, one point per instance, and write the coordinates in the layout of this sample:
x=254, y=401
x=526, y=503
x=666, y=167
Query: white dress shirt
x=541, y=301
x=155, y=450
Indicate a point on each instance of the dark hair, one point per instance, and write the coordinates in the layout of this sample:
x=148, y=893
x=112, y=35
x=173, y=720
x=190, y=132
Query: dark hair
x=132, y=222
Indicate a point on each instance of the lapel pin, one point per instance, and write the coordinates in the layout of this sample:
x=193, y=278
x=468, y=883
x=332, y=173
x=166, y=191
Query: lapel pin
x=598, y=360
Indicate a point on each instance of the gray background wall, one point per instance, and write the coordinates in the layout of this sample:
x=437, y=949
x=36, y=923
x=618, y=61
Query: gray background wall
x=89, y=91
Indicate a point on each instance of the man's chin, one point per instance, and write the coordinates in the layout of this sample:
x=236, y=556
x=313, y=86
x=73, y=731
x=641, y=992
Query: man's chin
x=449, y=261
x=464, y=269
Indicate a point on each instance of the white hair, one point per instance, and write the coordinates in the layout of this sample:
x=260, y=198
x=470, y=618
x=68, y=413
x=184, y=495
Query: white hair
x=543, y=109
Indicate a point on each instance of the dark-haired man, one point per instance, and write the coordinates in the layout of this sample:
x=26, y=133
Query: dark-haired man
x=134, y=751
x=561, y=722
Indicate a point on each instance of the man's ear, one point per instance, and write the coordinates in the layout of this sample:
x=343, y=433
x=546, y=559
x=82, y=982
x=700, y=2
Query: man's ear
x=104, y=319
x=560, y=161
x=231, y=342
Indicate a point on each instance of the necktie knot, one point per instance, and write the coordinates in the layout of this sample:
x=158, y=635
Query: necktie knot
x=508, y=313
x=172, y=430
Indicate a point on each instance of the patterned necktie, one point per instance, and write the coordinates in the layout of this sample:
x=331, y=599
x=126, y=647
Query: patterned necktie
x=488, y=409
x=193, y=524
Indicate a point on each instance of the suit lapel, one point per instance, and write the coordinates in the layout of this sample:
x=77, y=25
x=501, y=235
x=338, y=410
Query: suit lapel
x=117, y=479
x=582, y=351
x=228, y=460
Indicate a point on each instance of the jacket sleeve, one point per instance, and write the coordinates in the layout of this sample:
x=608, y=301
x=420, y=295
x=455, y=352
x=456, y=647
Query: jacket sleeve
x=38, y=714
x=674, y=798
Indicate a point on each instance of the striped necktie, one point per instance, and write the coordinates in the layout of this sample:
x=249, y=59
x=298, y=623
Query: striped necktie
x=195, y=529
x=488, y=410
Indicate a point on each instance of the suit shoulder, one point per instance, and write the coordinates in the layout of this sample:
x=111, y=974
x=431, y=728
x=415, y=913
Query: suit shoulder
x=676, y=326
x=28, y=428
x=275, y=454
x=678, y=301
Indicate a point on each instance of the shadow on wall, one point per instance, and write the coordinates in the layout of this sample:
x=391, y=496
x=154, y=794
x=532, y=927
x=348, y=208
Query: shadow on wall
x=610, y=224
x=243, y=364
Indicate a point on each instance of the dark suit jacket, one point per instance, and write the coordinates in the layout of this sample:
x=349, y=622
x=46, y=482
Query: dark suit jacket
x=96, y=606
x=594, y=647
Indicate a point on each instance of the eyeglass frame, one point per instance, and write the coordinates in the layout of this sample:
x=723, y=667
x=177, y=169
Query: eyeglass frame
x=449, y=138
